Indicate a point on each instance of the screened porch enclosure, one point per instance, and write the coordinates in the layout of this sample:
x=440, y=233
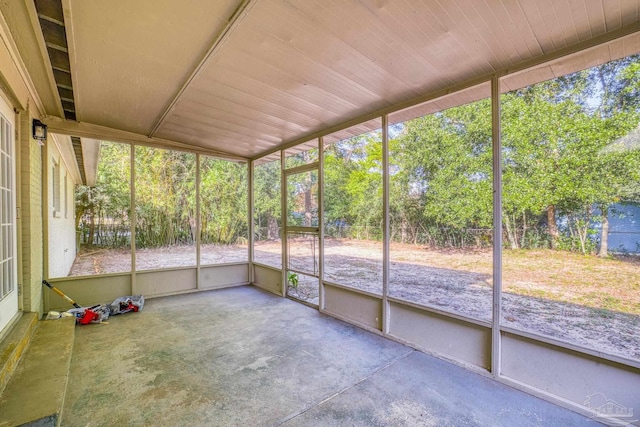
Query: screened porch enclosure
x=488, y=218
x=391, y=225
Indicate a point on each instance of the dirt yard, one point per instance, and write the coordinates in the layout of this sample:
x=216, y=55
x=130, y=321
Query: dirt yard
x=585, y=300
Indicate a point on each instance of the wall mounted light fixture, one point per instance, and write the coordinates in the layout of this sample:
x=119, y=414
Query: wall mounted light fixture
x=39, y=131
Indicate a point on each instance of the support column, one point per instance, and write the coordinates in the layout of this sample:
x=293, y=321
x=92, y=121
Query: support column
x=497, y=226
x=385, y=231
x=132, y=189
x=251, y=224
x=321, y=223
x=198, y=222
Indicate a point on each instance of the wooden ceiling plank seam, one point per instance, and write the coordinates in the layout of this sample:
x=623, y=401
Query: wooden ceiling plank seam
x=331, y=28
x=243, y=131
x=614, y=12
x=131, y=67
x=501, y=22
x=224, y=114
x=196, y=137
x=473, y=33
x=549, y=24
x=273, y=107
x=447, y=50
x=242, y=10
x=519, y=27
x=578, y=10
x=371, y=26
x=466, y=47
x=538, y=61
x=395, y=51
x=335, y=77
x=485, y=25
x=406, y=40
x=554, y=31
x=466, y=33
x=357, y=78
x=597, y=19
x=211, y=131
x=522, y=28
x=376, y=115
x=268, y=74
x=387, y=47
x=529, y=26
x=568, y=33
x=267, y=90
x=404, y=23
x=323, y=88
x=536, y=23
x=199, y=109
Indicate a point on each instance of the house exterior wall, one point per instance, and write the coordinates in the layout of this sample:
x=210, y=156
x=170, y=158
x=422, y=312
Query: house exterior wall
x=624, y=228
x=31, y=216
x=15, y=88
x=60, y=213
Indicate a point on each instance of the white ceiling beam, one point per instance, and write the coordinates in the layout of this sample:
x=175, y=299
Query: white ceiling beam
x=87, y=130
x=241, y=11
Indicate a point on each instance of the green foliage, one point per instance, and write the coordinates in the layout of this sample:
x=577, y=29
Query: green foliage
x=223, y=201
x=292, y=279
x=267, y=200
x=353, y=181
x=557, y=139
x=165, y=199
x=561, y=149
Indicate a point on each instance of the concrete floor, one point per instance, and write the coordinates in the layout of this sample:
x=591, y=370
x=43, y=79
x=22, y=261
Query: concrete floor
x=243, y=357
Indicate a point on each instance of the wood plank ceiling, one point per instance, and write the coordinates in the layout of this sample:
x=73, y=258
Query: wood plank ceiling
x=247, y=76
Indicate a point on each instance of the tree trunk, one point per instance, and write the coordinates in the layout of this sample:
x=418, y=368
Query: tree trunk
x=510, y=235
x=272, y=228
x=524, y=229
x=552, y=227
x=308, y=206
x=92, y=230
x=604, y=236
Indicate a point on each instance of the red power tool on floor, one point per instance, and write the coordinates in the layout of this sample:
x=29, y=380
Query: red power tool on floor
x=84, y=317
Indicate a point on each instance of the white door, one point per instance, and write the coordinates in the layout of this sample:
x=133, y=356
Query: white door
x=8, y=250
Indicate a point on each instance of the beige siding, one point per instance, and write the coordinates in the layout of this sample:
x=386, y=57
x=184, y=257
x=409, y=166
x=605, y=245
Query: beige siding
x=62, y=236
x=31, y=214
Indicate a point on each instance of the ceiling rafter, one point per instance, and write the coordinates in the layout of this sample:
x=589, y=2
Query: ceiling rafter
x=241, y=11
x=88, y=130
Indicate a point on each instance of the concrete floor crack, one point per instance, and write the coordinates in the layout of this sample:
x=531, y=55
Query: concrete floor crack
x=350, y=386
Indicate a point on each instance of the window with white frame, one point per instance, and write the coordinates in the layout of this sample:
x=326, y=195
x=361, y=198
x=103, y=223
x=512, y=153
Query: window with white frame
x=55, y=190
x=7, y=256
x=66, y=196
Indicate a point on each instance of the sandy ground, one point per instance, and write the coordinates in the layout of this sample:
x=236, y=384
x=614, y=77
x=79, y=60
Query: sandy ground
x=583, y=300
